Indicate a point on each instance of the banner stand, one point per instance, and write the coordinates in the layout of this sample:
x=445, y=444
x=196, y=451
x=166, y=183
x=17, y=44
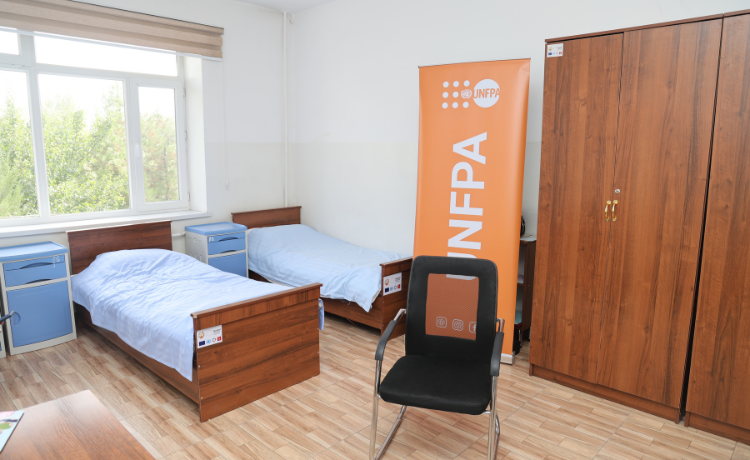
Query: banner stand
x=472, y=143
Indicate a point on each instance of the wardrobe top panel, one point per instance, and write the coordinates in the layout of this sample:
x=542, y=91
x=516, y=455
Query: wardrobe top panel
x=649, y=26
x=736, y=13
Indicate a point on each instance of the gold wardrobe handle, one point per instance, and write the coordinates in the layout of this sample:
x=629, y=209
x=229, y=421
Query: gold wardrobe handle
x=606, y=208
x=614, y=217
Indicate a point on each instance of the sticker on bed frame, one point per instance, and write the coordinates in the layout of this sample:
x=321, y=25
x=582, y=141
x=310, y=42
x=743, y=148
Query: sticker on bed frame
x=210, y=336
x=555, y=50
x=392, y=283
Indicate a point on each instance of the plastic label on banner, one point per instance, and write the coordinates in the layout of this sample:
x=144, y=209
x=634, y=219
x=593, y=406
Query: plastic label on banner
x=555, y=50
x=392, y=283
x=210, y=336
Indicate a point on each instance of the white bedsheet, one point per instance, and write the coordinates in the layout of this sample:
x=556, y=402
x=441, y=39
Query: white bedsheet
x=146, y=297
x=296, y=255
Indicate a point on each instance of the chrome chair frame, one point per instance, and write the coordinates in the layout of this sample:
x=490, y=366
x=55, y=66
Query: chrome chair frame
x=493, y=435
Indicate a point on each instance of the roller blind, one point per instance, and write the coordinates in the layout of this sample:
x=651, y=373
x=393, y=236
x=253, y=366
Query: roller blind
x=82, y=20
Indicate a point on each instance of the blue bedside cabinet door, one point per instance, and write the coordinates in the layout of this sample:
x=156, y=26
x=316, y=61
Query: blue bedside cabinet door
x=232, y=264
x=44, y=311
x=226, y=243
x=29, y=271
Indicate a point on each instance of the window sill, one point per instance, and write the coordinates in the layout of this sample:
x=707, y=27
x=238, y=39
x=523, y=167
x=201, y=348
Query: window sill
x=61, y=227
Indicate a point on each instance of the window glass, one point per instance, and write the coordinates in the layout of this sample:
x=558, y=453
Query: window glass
x=95, y=56
x=85, y=144
x=17, y=177
x=8, y=43
x=159, y=144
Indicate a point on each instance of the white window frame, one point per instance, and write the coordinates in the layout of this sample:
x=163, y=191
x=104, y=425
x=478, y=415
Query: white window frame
x=138, y=186
x=19, y=58
x=26, y=62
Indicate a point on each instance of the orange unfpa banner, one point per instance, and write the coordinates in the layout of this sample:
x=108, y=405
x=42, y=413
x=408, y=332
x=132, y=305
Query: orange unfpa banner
x=472, y=143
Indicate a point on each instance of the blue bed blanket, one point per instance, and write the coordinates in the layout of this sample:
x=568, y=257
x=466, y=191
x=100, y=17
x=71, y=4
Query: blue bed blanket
x=146, y=297
x=296, y=255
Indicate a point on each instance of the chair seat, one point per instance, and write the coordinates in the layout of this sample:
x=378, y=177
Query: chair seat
x=430, y=383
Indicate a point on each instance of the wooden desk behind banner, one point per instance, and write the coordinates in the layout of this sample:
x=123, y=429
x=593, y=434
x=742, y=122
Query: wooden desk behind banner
x=527, y=254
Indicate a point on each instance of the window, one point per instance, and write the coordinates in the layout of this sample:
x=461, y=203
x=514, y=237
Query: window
x=85, y=145
x=88, y=130
x=158, y=143
x=17, y=175
x=8, y=42
x=59, y=51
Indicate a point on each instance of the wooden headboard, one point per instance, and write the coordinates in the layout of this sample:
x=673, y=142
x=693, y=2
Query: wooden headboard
x=85, y=245
x=268, y=217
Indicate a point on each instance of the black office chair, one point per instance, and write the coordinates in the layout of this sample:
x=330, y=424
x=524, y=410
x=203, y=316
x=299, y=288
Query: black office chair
x=452, y=348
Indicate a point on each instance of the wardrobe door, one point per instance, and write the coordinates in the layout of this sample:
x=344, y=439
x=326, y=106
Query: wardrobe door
x=581, y=91
x=719, y=385
x=664, y=137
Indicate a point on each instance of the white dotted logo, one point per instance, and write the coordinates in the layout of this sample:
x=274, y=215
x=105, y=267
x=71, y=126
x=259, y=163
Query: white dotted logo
x=464, y=94
x=486, y=93
x=441, y=322
x=458, y=325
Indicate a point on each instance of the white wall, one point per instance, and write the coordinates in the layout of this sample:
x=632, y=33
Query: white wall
x=355, y=85
x=242, y=108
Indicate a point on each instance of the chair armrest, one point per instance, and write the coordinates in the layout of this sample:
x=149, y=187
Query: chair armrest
x=387, y=335
x=497, y=349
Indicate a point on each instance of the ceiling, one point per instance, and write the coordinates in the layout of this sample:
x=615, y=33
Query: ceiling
x=290, y=6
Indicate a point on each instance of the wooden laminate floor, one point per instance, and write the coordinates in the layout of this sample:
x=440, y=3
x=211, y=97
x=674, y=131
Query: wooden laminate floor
x=328, y=417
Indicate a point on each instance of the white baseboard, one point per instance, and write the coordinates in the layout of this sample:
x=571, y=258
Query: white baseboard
x=507, y=358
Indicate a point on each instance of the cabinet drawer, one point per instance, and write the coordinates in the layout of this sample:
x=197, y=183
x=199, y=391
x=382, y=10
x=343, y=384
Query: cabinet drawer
x=29, y=271
x=233, y=264
x=226, y=243
x=45, y=313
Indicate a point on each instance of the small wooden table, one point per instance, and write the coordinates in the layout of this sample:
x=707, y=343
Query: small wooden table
x=74, y=427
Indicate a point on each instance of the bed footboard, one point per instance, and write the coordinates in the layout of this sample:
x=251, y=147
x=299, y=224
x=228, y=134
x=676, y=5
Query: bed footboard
x=268, y=343
x=390, y=304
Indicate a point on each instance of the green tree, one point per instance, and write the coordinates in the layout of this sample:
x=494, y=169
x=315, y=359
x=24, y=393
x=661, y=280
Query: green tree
x=11, y=198
x=17, y=178
x=87, y=163
x=159, y=143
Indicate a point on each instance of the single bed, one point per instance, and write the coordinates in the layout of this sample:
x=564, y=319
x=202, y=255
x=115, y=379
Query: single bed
x=384, y=306
x=268, y=342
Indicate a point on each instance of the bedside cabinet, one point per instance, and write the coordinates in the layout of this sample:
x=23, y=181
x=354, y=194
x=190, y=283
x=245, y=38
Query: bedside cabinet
x=35, y=283
x=221, y=245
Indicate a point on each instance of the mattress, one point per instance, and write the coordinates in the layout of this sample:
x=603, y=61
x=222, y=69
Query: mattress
x=296, y=255
x=146, y=297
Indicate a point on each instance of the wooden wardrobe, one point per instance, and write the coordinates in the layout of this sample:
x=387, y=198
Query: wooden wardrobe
x=719, y=385
x=626, y=148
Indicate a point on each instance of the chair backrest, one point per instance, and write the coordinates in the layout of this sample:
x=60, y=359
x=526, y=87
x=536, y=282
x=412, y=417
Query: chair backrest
x=451, y=308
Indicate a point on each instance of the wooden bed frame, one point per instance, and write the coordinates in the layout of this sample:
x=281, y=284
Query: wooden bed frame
x=384, y=308
x=269, y=342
